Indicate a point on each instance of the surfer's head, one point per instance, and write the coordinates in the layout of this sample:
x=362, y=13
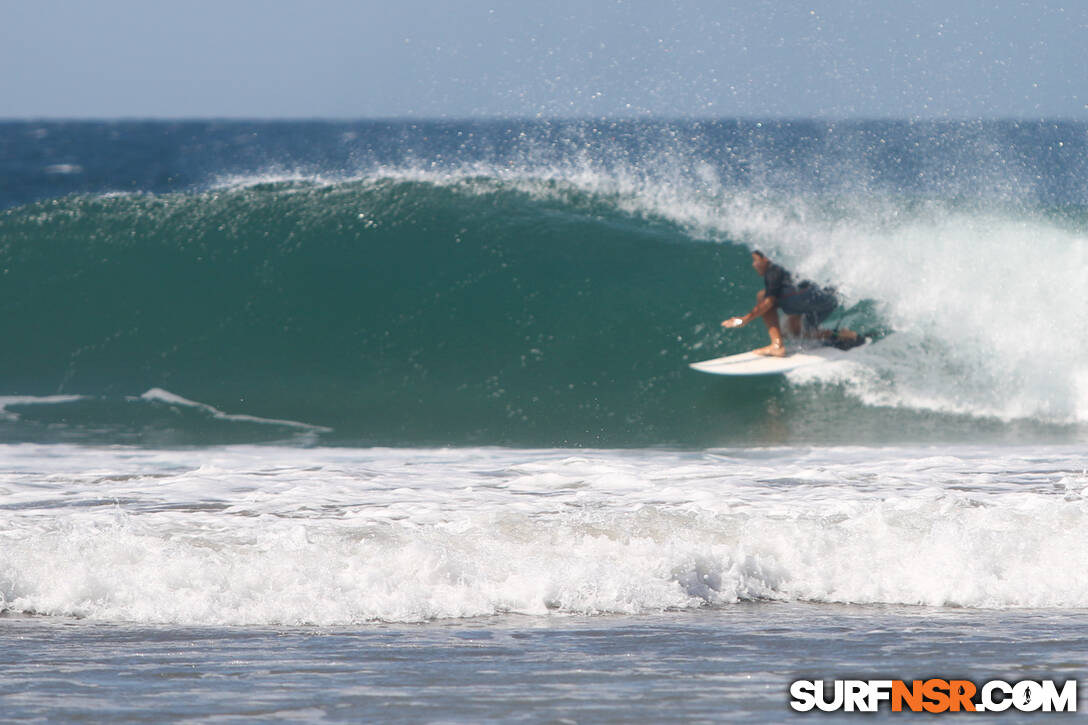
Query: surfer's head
x=760, y=263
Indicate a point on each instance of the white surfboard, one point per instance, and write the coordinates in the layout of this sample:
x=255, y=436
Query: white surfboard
x=749, y=363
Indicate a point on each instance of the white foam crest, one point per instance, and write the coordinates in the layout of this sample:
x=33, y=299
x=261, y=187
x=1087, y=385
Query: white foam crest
x=325, y=536
x=277, y=176
x=663, y=187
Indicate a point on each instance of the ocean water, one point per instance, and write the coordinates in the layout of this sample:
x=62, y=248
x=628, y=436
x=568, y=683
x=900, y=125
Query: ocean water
x=393, y=421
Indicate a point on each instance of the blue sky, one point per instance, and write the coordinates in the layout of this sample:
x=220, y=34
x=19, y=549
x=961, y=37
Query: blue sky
x=563, y=58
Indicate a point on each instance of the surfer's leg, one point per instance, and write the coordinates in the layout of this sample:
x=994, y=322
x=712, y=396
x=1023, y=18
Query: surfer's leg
x=807, y=309
x=770, y=319
x=842, y=337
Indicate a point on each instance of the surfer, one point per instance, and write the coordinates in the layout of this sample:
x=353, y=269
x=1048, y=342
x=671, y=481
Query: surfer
x=806, y=305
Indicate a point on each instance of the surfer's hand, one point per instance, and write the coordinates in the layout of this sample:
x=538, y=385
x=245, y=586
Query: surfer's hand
x=733, y=322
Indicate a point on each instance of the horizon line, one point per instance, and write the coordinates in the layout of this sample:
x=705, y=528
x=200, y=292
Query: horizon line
x=541, y=119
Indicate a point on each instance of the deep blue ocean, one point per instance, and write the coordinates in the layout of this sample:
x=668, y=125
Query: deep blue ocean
x=393, y=421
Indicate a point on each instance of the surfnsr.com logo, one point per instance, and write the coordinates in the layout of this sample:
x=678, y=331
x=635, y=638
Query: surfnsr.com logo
x=933, y=695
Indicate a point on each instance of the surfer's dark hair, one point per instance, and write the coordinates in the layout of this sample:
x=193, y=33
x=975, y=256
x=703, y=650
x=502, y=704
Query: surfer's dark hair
x=756, y=251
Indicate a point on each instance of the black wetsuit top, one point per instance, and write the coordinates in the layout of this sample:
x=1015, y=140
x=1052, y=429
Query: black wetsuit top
x=777, y=281
x=801, y=298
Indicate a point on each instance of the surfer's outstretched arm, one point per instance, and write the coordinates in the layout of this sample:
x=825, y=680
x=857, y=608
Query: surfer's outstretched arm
x=764, y=305
x=767, y=308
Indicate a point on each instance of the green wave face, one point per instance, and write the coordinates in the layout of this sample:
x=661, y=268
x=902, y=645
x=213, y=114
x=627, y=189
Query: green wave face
x=390, y=310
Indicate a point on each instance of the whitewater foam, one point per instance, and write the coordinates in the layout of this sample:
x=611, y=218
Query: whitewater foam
x=333, y=536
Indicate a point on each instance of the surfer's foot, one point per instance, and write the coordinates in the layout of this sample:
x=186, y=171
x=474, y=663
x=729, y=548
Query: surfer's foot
x=845, y=339
x=772, y=350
